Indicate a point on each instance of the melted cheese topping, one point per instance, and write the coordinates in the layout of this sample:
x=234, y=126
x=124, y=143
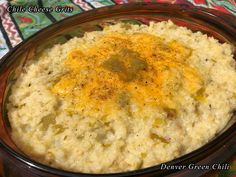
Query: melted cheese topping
x=122, y=68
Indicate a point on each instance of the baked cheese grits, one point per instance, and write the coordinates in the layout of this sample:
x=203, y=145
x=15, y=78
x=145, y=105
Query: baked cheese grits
x=125, y=98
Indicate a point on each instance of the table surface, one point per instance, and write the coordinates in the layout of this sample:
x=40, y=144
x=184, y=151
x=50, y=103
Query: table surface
x=16, y=27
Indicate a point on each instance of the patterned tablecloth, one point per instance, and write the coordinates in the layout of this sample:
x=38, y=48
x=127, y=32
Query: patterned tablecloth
x=16, y=27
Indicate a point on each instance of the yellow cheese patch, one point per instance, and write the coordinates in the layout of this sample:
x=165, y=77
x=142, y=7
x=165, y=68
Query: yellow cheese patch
x=120, y=69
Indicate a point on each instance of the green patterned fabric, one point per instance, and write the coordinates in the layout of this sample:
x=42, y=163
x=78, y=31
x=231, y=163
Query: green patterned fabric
x=30, y=23
x=55, y=3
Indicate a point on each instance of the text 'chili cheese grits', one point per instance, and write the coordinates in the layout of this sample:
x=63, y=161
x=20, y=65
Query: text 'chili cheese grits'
x=125, y=98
